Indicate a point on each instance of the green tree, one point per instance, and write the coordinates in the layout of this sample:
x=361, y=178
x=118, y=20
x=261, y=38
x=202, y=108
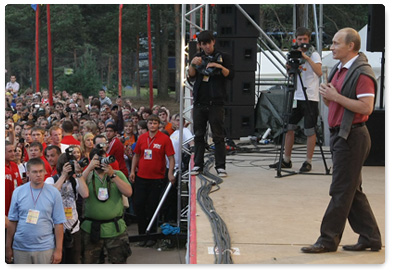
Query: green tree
x=85, y=78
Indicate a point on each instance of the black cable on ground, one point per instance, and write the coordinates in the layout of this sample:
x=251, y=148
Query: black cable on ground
x=222, y=242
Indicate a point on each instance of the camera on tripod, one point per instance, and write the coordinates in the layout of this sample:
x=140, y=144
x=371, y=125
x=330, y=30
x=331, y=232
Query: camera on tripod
x=71, y=159
x=210, y=71
x=294, y=56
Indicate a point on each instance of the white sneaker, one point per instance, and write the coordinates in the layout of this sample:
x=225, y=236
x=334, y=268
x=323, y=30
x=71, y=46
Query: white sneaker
x=196, y=170
x=222, y=172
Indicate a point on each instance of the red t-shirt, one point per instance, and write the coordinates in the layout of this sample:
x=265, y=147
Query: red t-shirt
x=54, y=171
x=153, y=152
x=365, y=87
x=26, y=157
x=117, y=149
x=70, y=140
x=48, y=167
x=12, y=181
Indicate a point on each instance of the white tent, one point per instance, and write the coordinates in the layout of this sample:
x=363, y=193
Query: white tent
x=267, y=70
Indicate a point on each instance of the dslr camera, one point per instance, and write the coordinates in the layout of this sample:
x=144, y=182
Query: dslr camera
x=102, y=158
x=210, y=71
x=71, y=159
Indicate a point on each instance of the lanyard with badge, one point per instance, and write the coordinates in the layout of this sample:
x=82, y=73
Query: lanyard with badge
x=148, y=152
x=33, y=214
x=104, y=193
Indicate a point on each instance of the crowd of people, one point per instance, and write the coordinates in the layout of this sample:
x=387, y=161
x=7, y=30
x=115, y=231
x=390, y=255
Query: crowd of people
x=81, y=170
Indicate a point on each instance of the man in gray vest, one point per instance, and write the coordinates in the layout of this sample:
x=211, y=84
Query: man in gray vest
x=349, y=95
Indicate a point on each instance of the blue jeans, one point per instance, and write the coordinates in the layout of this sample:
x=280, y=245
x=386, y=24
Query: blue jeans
x=215, y=115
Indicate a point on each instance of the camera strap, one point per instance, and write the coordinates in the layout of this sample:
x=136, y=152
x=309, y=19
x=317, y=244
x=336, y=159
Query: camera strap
x=110, y=145
x=72, y=181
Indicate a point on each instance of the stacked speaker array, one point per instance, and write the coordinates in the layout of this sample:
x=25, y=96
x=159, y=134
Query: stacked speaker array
x=238, y=37
x=375, y=42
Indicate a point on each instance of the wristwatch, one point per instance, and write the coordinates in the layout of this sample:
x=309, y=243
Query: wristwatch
x=78, y=175
x=113, y=175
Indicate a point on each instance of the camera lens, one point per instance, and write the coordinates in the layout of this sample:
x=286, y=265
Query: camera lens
x=107, y=160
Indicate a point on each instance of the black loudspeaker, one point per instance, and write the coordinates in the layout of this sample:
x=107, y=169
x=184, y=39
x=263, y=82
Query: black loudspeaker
x=239, y=121
x=242, y=50
x=376, y=127
x=376, y=28
x=241, y=90
x=192, y=49
x=232, y=23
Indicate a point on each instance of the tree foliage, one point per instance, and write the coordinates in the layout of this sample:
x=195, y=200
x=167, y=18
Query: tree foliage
x=86, y=37
x=85, y=78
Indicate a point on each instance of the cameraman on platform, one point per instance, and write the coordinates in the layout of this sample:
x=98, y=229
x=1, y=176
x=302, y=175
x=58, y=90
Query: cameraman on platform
x=310, y=71
x=210, y=69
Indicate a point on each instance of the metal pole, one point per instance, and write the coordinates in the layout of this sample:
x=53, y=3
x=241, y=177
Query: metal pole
x=151, y=80
x=320, y=26
x=294, y=21
x=182, y=90
x=192, y=28
x=317, y=34
x=120, y=51
x=162, y=200
x=38, y=48
x=206, y=21
x=49, y=41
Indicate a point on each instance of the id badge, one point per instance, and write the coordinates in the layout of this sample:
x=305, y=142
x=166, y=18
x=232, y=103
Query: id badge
x=103, y=194
x=206, y=78
x=32, y=216
x=148, y=154
x=69, y=213
x=295, y=104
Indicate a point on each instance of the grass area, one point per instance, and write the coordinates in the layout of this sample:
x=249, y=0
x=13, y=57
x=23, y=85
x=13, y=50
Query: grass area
x=170, y=103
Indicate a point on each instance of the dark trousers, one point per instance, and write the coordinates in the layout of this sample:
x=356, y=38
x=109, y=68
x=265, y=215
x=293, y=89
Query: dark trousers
x=146, y=198
x=215, y=115
x=348, y=201
x=73, y=255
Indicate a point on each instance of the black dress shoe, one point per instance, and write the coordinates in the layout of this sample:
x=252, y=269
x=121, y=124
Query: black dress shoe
x=316, y=248
x=360, y=247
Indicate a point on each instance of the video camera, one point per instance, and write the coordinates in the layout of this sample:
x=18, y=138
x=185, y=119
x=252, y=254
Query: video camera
x=294, y=56
x=210, y=71
x=71, y=159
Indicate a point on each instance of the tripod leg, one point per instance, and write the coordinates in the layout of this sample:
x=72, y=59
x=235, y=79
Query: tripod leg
x=287, y=113
x=319, y=139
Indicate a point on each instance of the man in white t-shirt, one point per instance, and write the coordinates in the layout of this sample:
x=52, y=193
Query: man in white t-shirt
x=310, y=71
x=12, y=86
x=175, y=137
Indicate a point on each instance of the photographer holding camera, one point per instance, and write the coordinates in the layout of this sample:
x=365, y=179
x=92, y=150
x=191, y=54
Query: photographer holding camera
x=104, y=226
x=69, y=183
x=310, y=71
x=210, y=69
